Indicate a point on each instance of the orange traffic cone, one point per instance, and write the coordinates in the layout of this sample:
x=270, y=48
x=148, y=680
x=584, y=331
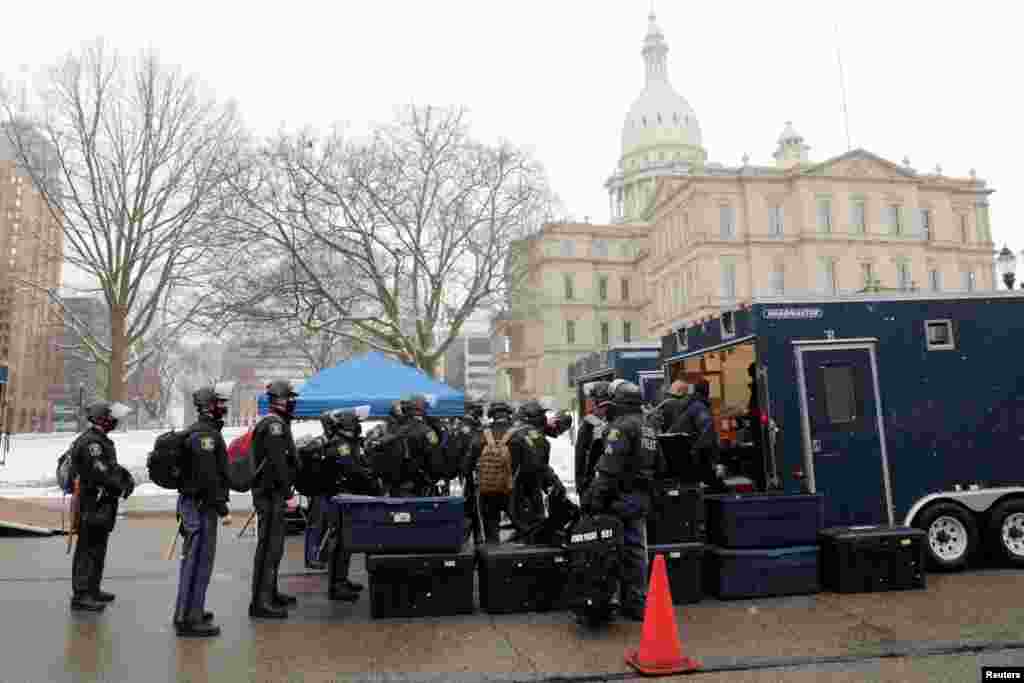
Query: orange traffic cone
x=661, y=651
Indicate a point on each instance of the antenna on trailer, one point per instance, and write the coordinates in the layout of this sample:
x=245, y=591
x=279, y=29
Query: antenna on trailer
x=842, y=90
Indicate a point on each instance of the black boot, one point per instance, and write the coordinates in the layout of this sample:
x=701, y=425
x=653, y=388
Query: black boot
x=207, y=618
x=194, y=630
x=284, y=600
x=103, y=596
x=86, y=603
x=343, y=593
x=353, y=586
x=257, y=611
x=316, y=565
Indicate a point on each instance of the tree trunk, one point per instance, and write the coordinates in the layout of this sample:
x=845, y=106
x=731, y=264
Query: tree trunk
x=116, y=386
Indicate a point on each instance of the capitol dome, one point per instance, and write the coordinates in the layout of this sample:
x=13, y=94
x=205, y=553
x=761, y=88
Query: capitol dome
x=660, y=117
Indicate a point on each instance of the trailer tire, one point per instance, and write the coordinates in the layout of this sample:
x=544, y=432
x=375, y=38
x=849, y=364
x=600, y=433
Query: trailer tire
x=1006, y=531
x=951, y=536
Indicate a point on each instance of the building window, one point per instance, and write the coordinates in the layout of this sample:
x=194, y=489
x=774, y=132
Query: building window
x=939, y=335
x=840, y=393
x=859, y=216
x=727, y=217
x=728, y=280
x=604, y=334
x=777, y=280
x=903, y=275
x=926, y=223
x=600, y=248
x=569, y=290
x=627, y=331
x=829, y=283
x=981, y=218
x=824, y=215
x=963, y=228
x=570, y=331
x=602, y=288
x=625, y=289
x=568, y=248
x=969, y=281
x=894, y=219
x=775, y=221
x=868, y=270
x=934, y=280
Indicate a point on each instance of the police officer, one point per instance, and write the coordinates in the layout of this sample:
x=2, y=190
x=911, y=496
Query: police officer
x=318, y=512
x=101, y=482
x=491, y=506
x=422, y=435
x=468, y=432
x=698, y=421
x=622, y=487
x=534, y=472
x=590, y=440
x=274, y=456
x=203, y=497
x=344, y=443
x=674, y=405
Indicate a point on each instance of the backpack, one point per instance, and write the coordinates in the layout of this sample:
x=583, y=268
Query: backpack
x=66, y=470
x=242, y=470
x=164, y=462
x=495, y=465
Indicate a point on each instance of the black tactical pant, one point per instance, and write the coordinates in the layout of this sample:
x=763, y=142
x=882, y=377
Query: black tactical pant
x=89, y=560
x=474, y=526
x=491, y=508
x=269, y=507
x=633, y=563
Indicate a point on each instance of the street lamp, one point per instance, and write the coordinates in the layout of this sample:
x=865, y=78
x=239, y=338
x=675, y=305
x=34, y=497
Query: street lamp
x=1006, y=263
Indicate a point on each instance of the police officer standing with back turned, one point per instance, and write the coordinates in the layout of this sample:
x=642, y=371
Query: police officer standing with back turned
x=622, y=487
x=591, y=437
x=202, y=499
x=101, y=481
x=274, y=456
x=469, y=431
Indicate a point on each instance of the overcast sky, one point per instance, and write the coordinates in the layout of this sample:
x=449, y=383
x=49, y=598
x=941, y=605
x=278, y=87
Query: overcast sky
x=938, y=82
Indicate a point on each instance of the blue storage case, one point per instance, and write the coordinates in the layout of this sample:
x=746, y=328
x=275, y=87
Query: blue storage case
x=764, y=520
x=762, y=573
x=402, y=525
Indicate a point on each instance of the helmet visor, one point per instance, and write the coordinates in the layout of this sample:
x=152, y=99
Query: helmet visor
x=119, y=411
x=361, y=412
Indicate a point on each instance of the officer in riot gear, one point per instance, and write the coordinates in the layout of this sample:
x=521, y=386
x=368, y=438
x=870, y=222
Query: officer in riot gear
x=202, y=499
x=467, y=433
x=274, y=455
x=622, y=487
x=491, y=505
x=102, y=481
x=422, y=436
x=697, y=421
x=590, y=440
x=534, y=472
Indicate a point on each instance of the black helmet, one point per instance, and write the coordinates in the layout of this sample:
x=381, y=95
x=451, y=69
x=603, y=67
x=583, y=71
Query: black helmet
x=474, y=409
x=213, y=400
x=627, y=396
x=415, y=405
x=341, y=421
x=281, y=388
x=533, y=413
x=499, y=410
x=106, y=414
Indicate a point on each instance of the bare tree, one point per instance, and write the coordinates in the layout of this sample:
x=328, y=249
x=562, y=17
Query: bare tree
x=130, y=157
x=414, y=225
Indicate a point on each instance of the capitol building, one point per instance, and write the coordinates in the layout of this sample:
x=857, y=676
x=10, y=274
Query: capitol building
x=688, y=238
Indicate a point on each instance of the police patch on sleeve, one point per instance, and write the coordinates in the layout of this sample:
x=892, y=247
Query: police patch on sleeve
x=533, y=435
x=343, y=449
x=432, y=437
x=95, y=450
x=276, y=429
x=206, y=443
x=613, y=435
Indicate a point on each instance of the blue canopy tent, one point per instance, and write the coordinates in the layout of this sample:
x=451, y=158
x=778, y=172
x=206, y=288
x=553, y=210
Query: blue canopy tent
x=374, y=380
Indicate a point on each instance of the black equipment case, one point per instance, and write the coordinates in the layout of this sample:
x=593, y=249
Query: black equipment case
x=874, y=558
x=402, y=525
x=677, y=514
x=683, y=564
x=593, y=547
x=522, y=578
x=420, y=585
x=681, y=461
x=764, y=520
x=762, y=573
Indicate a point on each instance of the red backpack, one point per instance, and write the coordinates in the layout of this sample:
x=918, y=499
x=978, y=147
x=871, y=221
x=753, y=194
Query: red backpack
x=242, y=469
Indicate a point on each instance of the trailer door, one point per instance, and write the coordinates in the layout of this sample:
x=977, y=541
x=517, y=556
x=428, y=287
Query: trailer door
x=844, y=435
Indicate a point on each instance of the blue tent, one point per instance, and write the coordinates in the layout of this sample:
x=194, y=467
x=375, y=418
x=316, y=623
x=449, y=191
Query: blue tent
x=374, y=380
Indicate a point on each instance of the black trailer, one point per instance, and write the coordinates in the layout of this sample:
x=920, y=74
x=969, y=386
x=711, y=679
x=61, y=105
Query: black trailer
x=902, y=408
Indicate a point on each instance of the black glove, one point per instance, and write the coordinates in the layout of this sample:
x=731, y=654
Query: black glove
x=222, y=509
x=129, y=483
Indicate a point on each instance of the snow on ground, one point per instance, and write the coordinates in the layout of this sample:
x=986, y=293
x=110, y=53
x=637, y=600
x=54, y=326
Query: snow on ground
x=32, y=462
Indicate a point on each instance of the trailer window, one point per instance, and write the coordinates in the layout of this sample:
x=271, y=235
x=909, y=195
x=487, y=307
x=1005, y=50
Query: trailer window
x=840, y=394
x=939, y=335
x=728, y=324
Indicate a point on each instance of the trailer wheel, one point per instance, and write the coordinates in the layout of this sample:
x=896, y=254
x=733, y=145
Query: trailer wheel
x=1006, y=530
x=952, y=536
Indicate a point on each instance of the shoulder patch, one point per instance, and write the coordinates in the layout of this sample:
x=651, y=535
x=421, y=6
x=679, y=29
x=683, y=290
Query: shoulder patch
x=206, y=443
x=533, y=435
x=276, y=429
x=432, y=437
x=344, y=449
x=95, y=449
x=614, y=435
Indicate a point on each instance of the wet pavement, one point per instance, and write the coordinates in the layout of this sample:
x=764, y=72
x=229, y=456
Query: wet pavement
x=323, y=641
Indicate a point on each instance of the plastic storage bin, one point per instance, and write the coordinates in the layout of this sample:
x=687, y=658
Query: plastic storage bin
x=522, y=578
x=402, y=525
x=762, y=573
x=677, y=514
x=764, y=520
x=435, y=585
x=872, y=559
x=683, y=563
